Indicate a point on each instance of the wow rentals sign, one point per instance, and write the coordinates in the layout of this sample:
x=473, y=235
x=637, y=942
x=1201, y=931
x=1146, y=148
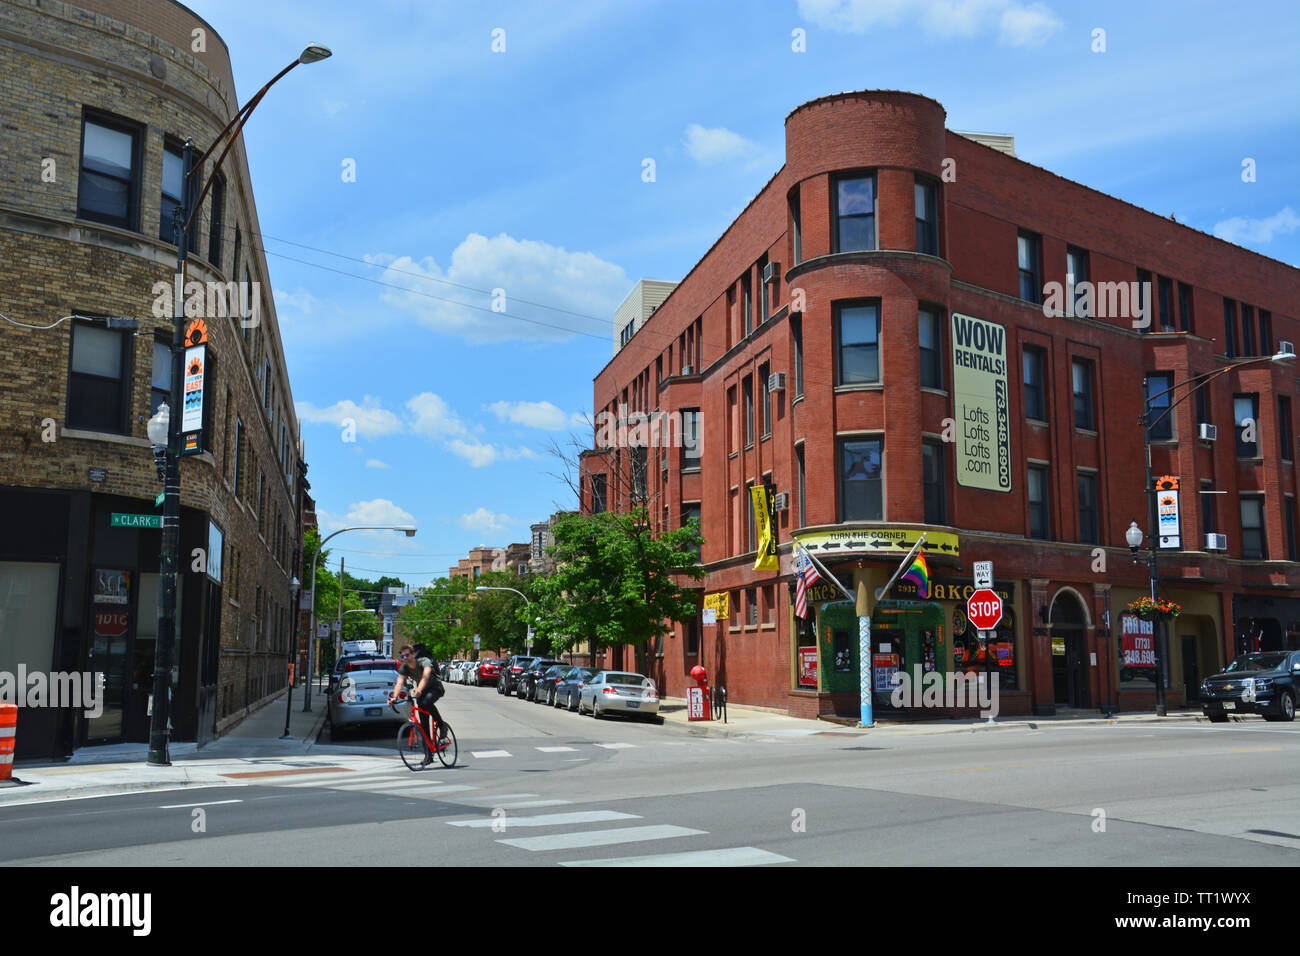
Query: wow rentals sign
x=979, y=362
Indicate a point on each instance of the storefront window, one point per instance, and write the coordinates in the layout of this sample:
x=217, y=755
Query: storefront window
x=29, y=601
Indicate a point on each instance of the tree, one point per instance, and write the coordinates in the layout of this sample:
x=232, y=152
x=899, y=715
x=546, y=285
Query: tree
x=616, y=581
x=436, y=618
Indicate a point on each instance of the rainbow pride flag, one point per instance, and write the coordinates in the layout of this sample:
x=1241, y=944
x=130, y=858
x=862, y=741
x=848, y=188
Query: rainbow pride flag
x=919, y=574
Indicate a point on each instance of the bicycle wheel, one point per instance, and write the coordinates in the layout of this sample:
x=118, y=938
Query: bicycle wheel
x=447, y=751
x=410, y=746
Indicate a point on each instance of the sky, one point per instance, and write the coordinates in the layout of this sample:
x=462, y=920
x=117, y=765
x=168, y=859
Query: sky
x=454, y=204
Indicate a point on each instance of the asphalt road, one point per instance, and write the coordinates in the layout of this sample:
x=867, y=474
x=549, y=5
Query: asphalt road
x=539, y=787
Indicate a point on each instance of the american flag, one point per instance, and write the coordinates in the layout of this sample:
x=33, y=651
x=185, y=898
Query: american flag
x=805, y=574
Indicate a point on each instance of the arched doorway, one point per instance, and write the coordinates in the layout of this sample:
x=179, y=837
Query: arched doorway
x=1069, y=650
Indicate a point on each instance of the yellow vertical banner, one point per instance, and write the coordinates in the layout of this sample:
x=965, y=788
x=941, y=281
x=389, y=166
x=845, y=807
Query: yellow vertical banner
x=767, y=560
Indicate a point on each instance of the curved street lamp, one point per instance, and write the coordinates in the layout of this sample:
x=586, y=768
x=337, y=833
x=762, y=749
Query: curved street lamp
x=169, y=460
x=528, y=643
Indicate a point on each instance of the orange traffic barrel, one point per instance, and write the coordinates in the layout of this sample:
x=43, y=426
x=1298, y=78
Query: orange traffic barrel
x=8, y=737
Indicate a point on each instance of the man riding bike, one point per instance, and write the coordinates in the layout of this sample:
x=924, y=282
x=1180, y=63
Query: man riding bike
x=418, y=667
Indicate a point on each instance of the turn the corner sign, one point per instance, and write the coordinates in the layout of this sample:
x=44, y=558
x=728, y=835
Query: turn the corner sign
x=881, y=541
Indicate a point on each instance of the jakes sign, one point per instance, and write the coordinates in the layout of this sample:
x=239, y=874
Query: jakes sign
x=951, y=590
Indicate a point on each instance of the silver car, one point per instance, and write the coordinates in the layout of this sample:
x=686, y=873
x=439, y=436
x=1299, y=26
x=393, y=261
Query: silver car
x=361, y=697
x=620, y=692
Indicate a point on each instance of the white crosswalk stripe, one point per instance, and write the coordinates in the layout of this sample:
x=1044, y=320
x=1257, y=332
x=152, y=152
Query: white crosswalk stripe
x=732, y=856
x=547, y=820
x=426, y=791
x=530, y=804
x=493, y=798
x=571, y=841
x=557, y=750
x=484, y=754
x=616, y=746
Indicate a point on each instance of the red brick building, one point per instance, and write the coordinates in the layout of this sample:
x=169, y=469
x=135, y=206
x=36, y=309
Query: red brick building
x=888, y=283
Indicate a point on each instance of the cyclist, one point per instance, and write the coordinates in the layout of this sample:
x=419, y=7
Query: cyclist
x=418, y=667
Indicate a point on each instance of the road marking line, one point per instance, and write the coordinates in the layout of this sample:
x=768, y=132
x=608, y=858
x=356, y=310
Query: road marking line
x=572, y=841
x=735, y=856
x=1004, y=766
x=386, y=785
x=616, y=746
x=484, y=754
x=258, y=774
x=430, y=791
x=548, y=819
x=530, y=804
x=340, y=778
x=556, y=750
x=499, y=796
x=213, y=803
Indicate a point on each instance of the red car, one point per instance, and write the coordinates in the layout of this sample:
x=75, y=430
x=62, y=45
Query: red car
x=489, y=671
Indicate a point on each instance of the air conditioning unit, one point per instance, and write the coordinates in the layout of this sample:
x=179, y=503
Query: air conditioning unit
x=1286, y=348
x=688, y=369
x=1216, y=542
x=776, y=382
x=1207, y=432
x=781, y=501
x=771, y=272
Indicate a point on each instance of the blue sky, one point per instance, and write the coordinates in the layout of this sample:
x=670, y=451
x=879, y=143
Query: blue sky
x=521, y=170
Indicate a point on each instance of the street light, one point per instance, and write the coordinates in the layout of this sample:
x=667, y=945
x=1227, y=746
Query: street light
x=528, y=643
x=160, y=724
x=1134, y=535
x=311, y=635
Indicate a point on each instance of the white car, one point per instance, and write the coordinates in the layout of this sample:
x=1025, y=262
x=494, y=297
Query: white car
x=620, y=692
x=471, y=673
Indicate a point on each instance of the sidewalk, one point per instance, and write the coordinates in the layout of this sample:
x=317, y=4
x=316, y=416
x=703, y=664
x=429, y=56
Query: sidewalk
x=121, y=768
x=743, y=721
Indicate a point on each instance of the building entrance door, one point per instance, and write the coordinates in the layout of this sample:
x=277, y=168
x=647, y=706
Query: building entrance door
x=1069, y=652
x=110, y=637
x=1191, y=670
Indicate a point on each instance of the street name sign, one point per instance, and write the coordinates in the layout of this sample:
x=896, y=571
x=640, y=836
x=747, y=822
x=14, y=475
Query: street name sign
x=120, y=520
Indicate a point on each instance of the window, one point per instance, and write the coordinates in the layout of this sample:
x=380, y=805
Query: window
x=1035, y=407
x=748, y=387
x=803, y=487
x=253, y=306
x=860, y=479
x=927, y=218
x=733, y=423
x=161, y=383
x=625, y=335
x=691, y=512
x=930, y=337
x=99, y=380
x=796, y=228
x=109, y=187
x=1230, y=328
x=1144, y=299
x=1081, y=371
x=173, y=190
x=1163, y=429
x=1265, y=332
x=1027, y=250
x=1247, y=330
x=764, y=371
x=1284, y=425
x=266, y=385
x=1254, y=543
x=1076, y=269
x=690, y=438
x=747, y=295
x=1088, y=531
x=1039, y=519
x=216, y=219
x=239, y=451
x=751, y=543
x=796, y=331
x=1245, y=419
x=858, y=356
x=234, y=265
x=934, y=485
x=1184, y=307
x=751, y=606
x=764, y=292
x=637, y=462
x=598, y=502
x=1289, y=515
x=1165, y=297
x=855, y=213
x=1208, y=523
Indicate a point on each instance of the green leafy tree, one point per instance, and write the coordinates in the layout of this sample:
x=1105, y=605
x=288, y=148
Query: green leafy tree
x=437, y=618
x=616, y=581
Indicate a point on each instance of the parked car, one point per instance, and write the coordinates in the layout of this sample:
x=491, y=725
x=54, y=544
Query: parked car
x=511, y=672
x=1265, y=683
x=543, y=688
x=620, y=692
x=343, y=662
x=489, y=671
x=361, y=697
x=527, y=685
x=565, y=691
x=470, y=673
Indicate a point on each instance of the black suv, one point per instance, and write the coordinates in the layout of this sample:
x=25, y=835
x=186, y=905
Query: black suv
x=529, y=679
x=1265, y=683
x=512, y=671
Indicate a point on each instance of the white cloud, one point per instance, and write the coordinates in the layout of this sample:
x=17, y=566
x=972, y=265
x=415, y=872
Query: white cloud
x=375, y=512
x=524, y=272
x=717, y=145
x=480, y=455
x=371, y=420
x=542, y=415
x=1242, y=230
x=1019, y=24
x=376, y=463
x=489, y=522
x=434, y=418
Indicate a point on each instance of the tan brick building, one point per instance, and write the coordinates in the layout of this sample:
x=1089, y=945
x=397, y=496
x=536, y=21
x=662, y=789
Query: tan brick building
x=513, y=557
x=97, y=100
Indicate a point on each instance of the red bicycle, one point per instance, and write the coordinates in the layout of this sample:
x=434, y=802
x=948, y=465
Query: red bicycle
x=414, y=745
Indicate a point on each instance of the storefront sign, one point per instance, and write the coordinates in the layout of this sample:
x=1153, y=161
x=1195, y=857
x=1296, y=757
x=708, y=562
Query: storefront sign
x=719, y=602
x=1058, y=647
x=1138, y=641
x=196, y=361
x=119, y=520
x=1167, y=511
x=884, y=666
x=952, y=589
x=807, y=667
x=112, y=587
x=886, y=542
x=762, y=504
x=982, y=411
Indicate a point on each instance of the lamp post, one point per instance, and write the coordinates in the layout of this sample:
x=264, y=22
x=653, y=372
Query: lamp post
x=1134, y=534
x=528, y=643
x=315, y=563
x=295, y=587
x=160, y=724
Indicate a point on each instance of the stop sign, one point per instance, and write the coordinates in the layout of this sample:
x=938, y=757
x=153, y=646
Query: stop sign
x=984, y=609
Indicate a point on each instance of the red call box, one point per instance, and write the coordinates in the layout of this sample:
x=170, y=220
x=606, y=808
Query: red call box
x=984, y=609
